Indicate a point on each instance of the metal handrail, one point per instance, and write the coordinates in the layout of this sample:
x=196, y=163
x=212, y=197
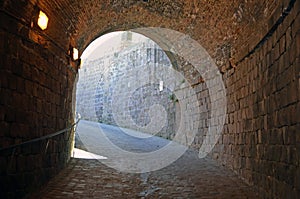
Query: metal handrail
x=40, y=138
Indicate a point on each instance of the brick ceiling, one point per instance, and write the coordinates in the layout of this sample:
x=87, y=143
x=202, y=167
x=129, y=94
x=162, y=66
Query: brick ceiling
x=214, y=24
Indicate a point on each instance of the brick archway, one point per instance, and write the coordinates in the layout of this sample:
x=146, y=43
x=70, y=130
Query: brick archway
x=255, y=45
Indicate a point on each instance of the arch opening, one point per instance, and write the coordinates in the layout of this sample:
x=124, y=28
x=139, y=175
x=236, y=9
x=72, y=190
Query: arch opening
x=118, y=58
x=136, y=86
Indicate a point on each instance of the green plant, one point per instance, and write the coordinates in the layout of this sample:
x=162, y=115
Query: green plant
x=173, y=98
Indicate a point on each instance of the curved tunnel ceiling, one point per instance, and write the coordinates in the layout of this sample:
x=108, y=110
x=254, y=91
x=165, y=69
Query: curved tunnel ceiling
x=216, y=25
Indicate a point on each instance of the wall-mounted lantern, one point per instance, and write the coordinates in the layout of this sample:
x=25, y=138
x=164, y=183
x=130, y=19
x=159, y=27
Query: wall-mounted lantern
x=39, y=22
x=75, y=54
x=42, y=20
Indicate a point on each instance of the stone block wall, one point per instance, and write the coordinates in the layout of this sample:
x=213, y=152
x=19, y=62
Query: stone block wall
x=135, y=72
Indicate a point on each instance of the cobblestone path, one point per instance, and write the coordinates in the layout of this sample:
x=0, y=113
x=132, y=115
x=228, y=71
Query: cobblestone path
x=187, y=177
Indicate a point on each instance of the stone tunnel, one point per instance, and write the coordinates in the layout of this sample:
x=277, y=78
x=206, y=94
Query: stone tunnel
x=254, y=44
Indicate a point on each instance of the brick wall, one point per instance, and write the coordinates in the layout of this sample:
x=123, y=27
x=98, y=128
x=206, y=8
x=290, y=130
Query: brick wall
x=36, y=83
x=261, y=141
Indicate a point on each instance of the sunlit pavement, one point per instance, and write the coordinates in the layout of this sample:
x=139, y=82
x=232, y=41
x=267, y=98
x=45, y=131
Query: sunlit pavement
x=86, y=176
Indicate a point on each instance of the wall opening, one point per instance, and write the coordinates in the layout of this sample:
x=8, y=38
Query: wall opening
x=127, y=67
x=135, y=86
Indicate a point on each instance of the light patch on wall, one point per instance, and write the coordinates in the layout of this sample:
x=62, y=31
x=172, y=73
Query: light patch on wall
x=42, y=20
x=161, y=85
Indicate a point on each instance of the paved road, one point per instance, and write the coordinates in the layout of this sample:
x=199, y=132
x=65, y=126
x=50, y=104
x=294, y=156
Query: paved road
x=88, y=176
x=93, y=134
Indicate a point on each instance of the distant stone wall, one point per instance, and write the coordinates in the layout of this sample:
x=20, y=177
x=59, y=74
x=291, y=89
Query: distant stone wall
x=104, y=80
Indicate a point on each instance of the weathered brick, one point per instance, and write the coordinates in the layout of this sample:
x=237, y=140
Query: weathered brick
x=297, y=179
x=294, y=53
x=296, y=26
x=292, y=94
x=282, y=44
x=4, y=79
x=291, y=71
x=289, y=135
x=284, y=117
x=5, y=129
x=288, y=37
x=276, y=137
x=10, y=116
x=12, y=82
